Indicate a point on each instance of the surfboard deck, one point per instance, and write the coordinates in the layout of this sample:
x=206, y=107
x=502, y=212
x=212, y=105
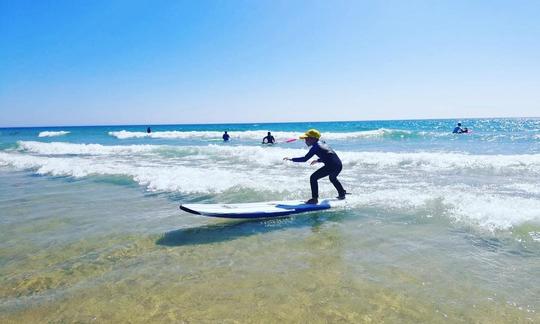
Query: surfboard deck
x=260, y=209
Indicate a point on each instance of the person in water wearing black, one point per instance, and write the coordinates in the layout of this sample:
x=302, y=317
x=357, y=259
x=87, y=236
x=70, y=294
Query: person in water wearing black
x=226, y=137
x=458, y=129
x=269, y=139
x=148, y=130
x=332, y=164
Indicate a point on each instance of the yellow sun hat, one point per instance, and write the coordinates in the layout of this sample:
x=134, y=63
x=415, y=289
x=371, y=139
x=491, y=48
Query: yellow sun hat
x=311, y=133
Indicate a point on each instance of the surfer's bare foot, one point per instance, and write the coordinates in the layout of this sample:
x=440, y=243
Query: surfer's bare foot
x=312, y=201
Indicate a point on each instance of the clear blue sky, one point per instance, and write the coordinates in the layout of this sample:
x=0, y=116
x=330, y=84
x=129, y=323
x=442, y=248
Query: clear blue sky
x=147, y=62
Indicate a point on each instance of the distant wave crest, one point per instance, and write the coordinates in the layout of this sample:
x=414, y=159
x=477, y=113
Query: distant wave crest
x=52, y=134
x=259, y=134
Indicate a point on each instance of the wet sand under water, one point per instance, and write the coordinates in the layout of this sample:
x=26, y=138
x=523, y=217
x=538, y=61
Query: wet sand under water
x=93, y=251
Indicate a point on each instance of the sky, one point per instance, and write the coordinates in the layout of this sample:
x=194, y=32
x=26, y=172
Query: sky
x=107, y=62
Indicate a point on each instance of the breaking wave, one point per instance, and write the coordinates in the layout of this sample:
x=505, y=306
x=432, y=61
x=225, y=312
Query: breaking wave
x=465, y=188
x=52, y=134
x=258, y=134
x=528, y=164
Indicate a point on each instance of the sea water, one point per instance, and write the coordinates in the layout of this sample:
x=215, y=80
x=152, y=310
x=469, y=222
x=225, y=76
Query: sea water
x=439, y=227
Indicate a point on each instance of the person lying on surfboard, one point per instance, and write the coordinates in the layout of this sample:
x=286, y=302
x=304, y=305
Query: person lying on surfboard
x=458, y=129
x=332, y=164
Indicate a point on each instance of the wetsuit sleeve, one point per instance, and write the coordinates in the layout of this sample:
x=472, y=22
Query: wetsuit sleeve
x=305, y=158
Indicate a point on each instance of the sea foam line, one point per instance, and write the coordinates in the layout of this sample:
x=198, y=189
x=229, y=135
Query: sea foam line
x=491, y=210
x=528, y=164
x=256, y=134
x=62, y=148
x=52, y=133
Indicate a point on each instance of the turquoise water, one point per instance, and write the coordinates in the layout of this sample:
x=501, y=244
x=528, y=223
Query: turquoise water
x=490, y=136
x=440, y=227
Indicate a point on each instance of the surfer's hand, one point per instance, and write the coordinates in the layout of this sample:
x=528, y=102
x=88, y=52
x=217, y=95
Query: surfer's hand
x=286, y=159
x=314, y=162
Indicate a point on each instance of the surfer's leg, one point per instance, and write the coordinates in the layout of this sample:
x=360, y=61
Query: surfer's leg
x=321, y=173
x=333, y=178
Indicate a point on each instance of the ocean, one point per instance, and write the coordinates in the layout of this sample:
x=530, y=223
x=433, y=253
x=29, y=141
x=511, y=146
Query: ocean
x=439, y=227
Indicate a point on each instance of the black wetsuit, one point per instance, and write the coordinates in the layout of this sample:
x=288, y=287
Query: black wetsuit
x=458, y=130
x=269, y=140
x=332, y=167
x=226, y=137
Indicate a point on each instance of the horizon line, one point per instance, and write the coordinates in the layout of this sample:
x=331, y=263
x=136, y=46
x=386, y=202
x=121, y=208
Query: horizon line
x=267, y=123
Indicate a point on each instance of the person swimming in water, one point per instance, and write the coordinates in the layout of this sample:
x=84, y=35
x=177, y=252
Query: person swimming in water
x=332, y=164
x=268, y=139
x=458, y=129
x=148, y=130
x=226, y=137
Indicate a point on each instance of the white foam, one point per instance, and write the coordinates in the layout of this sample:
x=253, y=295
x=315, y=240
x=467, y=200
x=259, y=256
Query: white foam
x=463, y=204
x=529, y=188
x=493, y=211
x=210, y=177
x=123, y=134
x=430, y=184
x=54, y=148
x=436, y=162
x=255, y=135
x=52, y=134
x=528, y=164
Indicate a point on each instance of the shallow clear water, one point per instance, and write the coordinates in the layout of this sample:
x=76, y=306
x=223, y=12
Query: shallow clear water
x=439, y=227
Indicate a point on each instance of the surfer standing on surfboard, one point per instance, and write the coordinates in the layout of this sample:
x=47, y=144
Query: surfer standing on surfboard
x=332, y=164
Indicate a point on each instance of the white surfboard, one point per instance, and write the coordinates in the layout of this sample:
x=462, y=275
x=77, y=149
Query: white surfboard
x=260, y=209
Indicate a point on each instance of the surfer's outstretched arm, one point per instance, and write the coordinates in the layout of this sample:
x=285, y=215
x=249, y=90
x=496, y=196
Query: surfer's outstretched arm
x=304, y=158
